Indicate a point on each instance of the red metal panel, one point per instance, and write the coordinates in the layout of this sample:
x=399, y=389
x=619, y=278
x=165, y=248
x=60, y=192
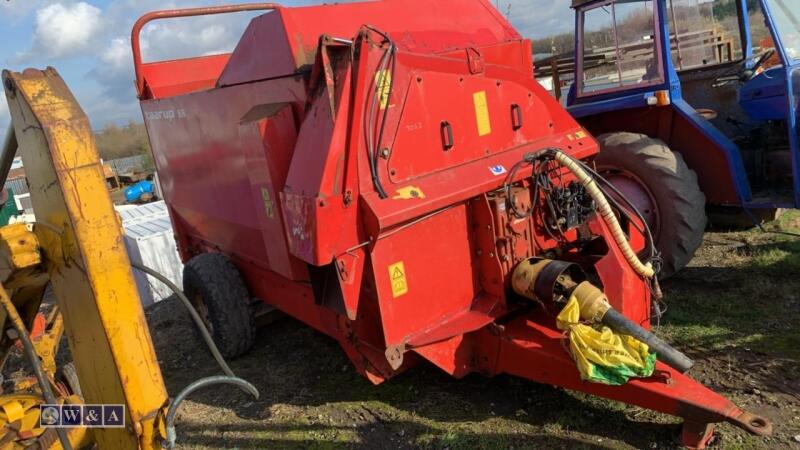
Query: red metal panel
x=516, y=54
x=317, y=222
x=625, y=289
x=458, y=184
x=434, y=98
x=322, y=220
x=182, y=76
x=202, y=166
x=264, y=51
x=268, y=134
x=545, y=124
x=441, y=354
x=294, y=32
x=438, y=271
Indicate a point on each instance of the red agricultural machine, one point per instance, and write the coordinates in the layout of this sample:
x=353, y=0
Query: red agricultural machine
x=391, y=174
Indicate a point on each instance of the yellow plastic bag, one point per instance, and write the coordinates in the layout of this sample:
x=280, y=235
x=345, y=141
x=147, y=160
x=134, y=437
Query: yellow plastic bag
x=601, y=355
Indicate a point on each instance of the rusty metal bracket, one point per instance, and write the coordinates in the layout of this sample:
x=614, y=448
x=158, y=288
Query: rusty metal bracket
x=394, y=355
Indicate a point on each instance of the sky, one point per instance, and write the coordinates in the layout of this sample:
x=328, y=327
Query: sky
x=88, y=42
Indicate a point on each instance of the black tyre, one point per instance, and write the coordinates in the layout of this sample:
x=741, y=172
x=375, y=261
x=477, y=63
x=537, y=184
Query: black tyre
x=662, y=187
x=216, y=289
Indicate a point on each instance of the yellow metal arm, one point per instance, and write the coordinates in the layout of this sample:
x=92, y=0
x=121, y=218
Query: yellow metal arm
x=85, y=257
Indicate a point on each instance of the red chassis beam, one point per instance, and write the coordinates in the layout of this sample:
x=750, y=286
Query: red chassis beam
x=526, y=345
x=531, y=347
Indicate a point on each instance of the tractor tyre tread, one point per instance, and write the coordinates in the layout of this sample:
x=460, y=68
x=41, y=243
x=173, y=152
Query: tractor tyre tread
x=680, y=201
x=213, y=279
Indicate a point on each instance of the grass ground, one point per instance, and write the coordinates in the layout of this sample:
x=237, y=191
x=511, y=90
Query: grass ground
x=735, y=310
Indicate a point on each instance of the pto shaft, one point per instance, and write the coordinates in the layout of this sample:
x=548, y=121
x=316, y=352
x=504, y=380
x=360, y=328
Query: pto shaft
x=547, y=281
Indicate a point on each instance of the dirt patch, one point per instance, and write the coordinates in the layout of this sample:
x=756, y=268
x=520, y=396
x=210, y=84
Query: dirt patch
x=735, y=310
x=311, y=397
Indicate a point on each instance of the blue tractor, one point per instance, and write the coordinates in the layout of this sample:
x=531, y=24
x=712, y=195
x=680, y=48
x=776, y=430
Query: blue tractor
x=691, y=120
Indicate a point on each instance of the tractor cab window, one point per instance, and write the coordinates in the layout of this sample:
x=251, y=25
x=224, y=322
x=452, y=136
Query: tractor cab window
x=787, y=22
x=618, y=47
x=704, y=33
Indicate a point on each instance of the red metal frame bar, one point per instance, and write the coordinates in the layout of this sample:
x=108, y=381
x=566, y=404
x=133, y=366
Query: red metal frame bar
x=186, y=12
x=526, y=346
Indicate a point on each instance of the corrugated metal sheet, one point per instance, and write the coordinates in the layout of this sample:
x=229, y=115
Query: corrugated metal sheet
x=132, y=213
x=18, y=185
x=150, y=241
x=24, y=203
x=148, y=228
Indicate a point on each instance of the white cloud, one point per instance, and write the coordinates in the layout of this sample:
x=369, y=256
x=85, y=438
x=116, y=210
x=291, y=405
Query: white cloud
x=16, y=10
x=536, y=19
x=103, y=109
x=160, y=40
x=190, y=37
x=115, y=100
x=64, y=30
x=117, y=55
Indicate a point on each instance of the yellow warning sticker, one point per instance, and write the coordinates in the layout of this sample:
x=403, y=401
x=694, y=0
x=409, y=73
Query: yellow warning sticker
x=580, y=135
x=408, y=193
x=269, y=205
x=383, y=83
x=397, y=275
x=482, y=113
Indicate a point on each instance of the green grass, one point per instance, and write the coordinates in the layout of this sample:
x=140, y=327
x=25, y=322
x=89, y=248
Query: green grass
x=745, y=295
x=738, y=303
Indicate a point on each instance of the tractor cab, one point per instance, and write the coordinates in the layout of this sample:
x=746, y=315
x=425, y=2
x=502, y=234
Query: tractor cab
x=693, y=117
x=673, y=69
x=764, y=94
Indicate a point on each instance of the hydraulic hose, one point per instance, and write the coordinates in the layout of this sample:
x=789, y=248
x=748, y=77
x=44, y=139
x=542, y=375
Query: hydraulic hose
x=33, y=359
x=201, y=383
x=228, y=378
x=604, y=208
x=193, y=313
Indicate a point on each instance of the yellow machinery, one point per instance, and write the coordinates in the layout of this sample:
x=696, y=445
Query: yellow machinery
x=76, y=246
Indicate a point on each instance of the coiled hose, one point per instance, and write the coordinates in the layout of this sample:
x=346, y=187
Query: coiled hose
x=604, y=208
x=228, y=378
x=201, y=327
x=201, y=383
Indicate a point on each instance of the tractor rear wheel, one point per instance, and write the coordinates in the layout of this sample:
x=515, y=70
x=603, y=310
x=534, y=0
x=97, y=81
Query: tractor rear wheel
x=662, y=187
x=216, y=289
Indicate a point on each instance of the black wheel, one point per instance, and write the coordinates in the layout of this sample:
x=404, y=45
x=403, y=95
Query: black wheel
x=69, y=376
x=216, y=289
x=662, y=187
